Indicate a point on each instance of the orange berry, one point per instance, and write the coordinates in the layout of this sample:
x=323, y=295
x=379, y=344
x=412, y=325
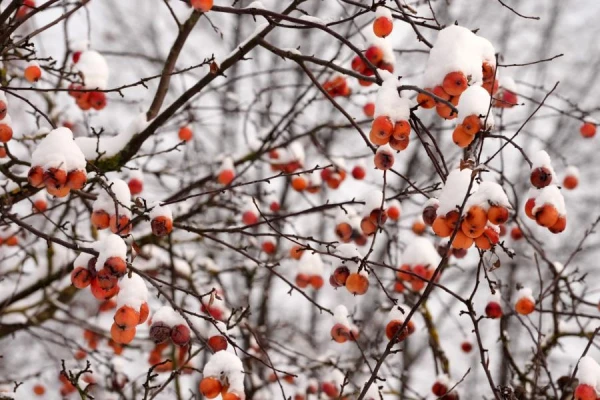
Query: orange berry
x=226, y=177
x=585, y=392
x=401, y=130
x=144, y=312
x=6, y=133
x=340, y=333
x=32, y=73
x=452, y=218
x=497, y=215
x=546, y=215
x=470, y=230
x=540, y=177
x=529, y=208
x=161, y=225
x=368, y=109
x=302, y=280
x=180, y=335
x=358, y=173
x=493, y=310
x=440, y=227
x=441, y=93
x=81, y=277
x=483, y=243
x=97, y=100
x=461, y=241
x=122, y=227
x=55, y=178
x=444, y=111
x=340, y=275
x=40, y=206
x=316, y=281
x=299, y=183
x=476, y=217
x=359, y=65
x=3, y=110
x=525, y=306
x=588, y=130
x=393, y=327
x=249, y=218
x=559, y=225
x=381, y=130
x=357, y=283
x=210, y=387
x=515, y=233
x=296, y=252
x=126, y=317
x=399, y=144
x=374, y=54
x=393, y=212
x=101, y=293
x=185, y=134
x=471, y=124
x=135, y=186
x=35, y=176
x=202, y=5
x=100, y=219
x=217, y=343
x=491, y=86
x=234, y=396
x=59, y=192
x=382, y=26
x=424, y=100
x=488, y=71
x=11, y=241
x=122, y=336
x=418, y=228
x=76, y=179
x=570, y=182
x=107, y=305
x=39, y=389
x=367, y=226
x=455, y=83
x=461, y=138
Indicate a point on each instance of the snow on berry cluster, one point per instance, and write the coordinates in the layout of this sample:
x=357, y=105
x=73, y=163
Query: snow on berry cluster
x=168, y=324
x=133, y=310
x=93, y=70
x=545, y=203
x=343, y=330
x=310, y=271
x=58, y=164
x=223, y=375
x=459, y=59
x=588, y=375
x=486, y=208
x=419, y=261
x=391, y=127
x=112, y=208
x=473, y=111
x=349, y=273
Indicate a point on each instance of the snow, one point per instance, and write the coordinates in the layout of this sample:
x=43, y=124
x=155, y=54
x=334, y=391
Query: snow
x=388, y=103
x=551, y=195
x=572, y=170
x=385, y=149
x=458, y=49
x=314, y=20
x=136, y=174
x=98, y=148
x=396, y=313
x=121, y=191
x=227, y=164
x=168, y=316
x=161, y=211
x=340, y=316
x=476, y=101
x=292, y=50
x=310, y=264
x=525, y=293
x=383, y=12
x=385, y=45
x=541, y=159
x=488, y=193
x=82, y=259
x=432, y=202
x=94, y=69
x=111, y=246
x=226, y=365
x=421, y=252
x=58, y=149
x=508, y=83
x=588, y=372
x=373, y=201
x=133, y=292
x=455, y=190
